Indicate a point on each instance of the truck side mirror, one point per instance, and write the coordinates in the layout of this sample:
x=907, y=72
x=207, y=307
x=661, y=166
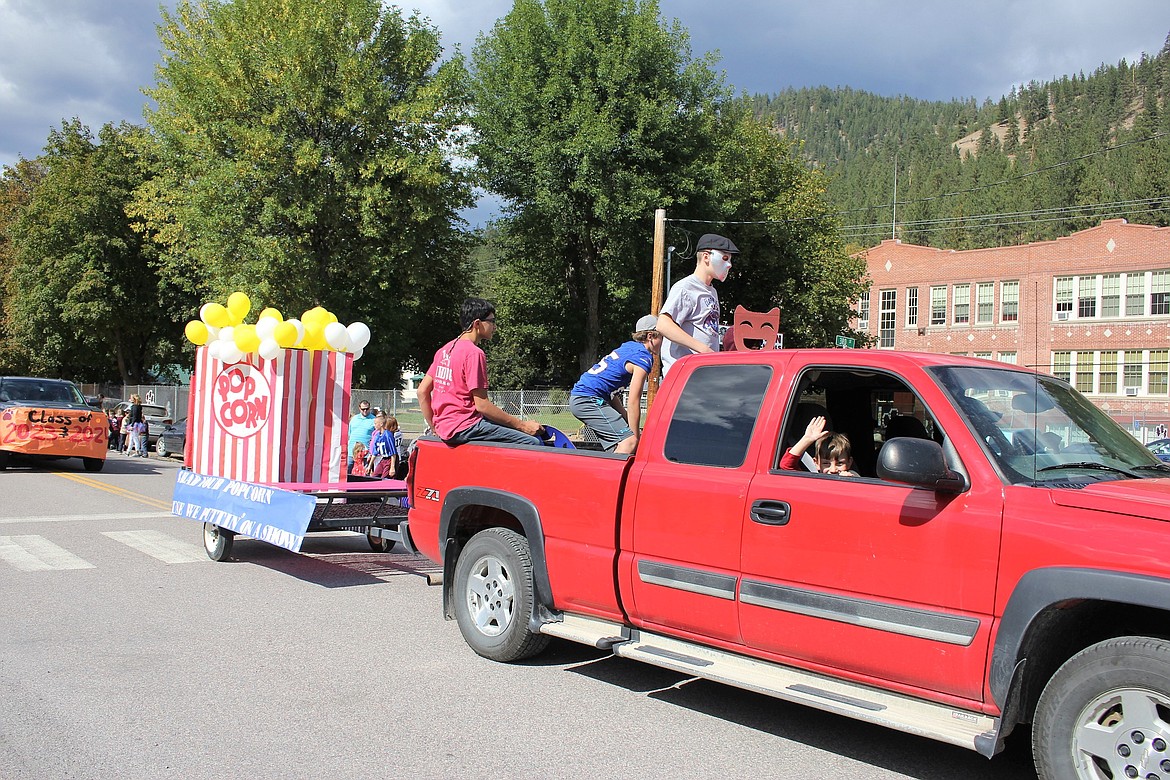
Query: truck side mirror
x=918, y=462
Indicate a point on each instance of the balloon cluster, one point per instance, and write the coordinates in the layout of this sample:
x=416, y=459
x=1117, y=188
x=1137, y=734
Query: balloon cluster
x=230, y=339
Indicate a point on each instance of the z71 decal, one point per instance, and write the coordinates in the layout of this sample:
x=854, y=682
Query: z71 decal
x=428, y=494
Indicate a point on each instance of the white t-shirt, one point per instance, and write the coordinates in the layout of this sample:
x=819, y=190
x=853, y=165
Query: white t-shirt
x=694, y=306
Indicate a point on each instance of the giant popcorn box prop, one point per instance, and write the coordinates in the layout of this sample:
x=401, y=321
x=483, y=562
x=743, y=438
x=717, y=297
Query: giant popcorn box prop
x=278, y=420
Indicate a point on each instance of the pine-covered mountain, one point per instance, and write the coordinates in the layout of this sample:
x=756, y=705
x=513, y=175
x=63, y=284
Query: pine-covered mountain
x=1045, y=160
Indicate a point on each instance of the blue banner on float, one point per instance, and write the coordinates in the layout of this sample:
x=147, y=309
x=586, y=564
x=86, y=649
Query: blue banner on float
x=279, y=517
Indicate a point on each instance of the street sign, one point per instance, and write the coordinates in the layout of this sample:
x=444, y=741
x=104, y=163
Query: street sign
x=845, y=342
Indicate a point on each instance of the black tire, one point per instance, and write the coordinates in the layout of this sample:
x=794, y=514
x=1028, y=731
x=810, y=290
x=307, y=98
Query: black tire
x=493, y=595
x=378, y=544
x=1106, y=713
x=94, y=464
x=217, y=541
x=3, y=459
x=160, y=449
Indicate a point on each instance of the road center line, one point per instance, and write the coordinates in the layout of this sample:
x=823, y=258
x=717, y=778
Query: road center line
x=82, y=518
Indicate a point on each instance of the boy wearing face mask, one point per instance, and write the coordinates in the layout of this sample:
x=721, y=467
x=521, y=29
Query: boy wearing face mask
x=689, y=320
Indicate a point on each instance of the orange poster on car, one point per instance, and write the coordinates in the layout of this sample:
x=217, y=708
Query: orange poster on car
x=71, y=433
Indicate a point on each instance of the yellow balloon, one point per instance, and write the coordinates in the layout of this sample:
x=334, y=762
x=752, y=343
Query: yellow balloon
x=271, y=312
x=330, y=317
x=246, y=338
x=233, y=318
x=314, y=316
x=285, y=334
x=216, y=315
x=196, y=332
x=239, y=305
x=314, y=336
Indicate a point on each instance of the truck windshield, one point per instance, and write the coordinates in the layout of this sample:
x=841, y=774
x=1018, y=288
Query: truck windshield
x=34, y=390
x=1039, y=429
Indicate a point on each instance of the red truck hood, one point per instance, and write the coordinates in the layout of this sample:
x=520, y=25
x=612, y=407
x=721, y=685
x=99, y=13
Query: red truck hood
x=1138, y=497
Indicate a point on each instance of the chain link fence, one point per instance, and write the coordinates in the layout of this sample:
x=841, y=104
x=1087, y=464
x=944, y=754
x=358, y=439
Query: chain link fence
x=549, y=406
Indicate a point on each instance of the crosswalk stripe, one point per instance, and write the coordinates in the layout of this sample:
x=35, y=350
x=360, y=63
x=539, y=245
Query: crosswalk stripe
x=159, y=545
x=36, y=553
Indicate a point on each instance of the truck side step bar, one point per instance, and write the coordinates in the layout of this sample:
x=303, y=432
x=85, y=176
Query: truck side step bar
x=965, y=728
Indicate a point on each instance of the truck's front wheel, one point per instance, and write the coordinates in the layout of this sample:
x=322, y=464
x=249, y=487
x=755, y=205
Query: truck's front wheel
x=1106, y=713
x=494, y=596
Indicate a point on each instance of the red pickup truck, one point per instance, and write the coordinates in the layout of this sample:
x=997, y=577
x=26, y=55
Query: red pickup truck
x=1002, y=557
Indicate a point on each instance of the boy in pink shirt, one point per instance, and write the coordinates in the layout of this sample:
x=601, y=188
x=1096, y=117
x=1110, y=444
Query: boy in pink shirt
x=453, y=394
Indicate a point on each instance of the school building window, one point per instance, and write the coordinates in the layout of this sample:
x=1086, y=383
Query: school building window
x=887, y=318
x=1009, y=302
x=1159, y=293
x=984, y=355
x=863, y=311
x=962, y=304
x=1111, y=295
x=1086, y=296
x=1107, y=372
x=1135, y=295
x=1062, y=365
x=1132, y=371
x=1084, y=374
x=911, y=307
x=985, y=303
x=938, y=306
x=1158, y=373
x=1007, y=357
x=1064, y=297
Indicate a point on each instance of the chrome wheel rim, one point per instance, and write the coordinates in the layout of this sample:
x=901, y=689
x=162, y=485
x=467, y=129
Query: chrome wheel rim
x=1123, y=733
x=491, y=596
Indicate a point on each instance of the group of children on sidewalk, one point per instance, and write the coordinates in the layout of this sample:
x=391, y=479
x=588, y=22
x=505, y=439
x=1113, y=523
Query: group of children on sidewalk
x=382, y=455
x=131, y=439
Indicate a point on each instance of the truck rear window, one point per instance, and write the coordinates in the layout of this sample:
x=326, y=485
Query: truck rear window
x=716, y=414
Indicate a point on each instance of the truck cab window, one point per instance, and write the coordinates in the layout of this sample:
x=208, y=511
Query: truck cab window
x=868, y=407
x=716, y=415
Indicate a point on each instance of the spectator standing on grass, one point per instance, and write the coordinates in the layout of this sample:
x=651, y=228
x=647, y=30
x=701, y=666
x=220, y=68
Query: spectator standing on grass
x=453, y=395
x=361, y=427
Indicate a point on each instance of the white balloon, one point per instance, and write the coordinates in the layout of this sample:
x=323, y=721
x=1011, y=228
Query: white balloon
x=300, y=326
x=213, y=348
x=212, y=334
x=230, y=353
x=265, y=326
x=336, y=336
x=359, y=335
x=228, y=334
x=357, y=353
x=268, y=349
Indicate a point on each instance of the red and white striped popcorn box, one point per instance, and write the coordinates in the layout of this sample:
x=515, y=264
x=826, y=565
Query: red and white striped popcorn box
x=279, y=420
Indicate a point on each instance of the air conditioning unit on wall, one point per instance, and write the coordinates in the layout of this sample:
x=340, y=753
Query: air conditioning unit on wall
x=1132, y=390
x=1062, y=315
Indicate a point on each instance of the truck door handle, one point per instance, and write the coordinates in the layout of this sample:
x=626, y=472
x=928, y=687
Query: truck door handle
x=770, y=512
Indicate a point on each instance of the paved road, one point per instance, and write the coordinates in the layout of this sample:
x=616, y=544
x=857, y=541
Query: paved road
x=126, y=653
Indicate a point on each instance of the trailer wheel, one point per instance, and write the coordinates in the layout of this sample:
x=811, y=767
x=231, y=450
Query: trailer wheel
x=379, y=544
x=1106, y=713
x=217, y=541
x=494, y=596
x=93, y=464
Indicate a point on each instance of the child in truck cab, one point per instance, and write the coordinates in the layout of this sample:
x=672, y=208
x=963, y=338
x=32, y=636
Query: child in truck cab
x=833, y=453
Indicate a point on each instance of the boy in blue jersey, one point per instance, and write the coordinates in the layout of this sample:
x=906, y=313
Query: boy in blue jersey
x=594, y=399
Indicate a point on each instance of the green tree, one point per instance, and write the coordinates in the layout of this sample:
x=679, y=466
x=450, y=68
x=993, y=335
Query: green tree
x=83, y=294
x=308, y=156
x=17, y=184
x=589, y=115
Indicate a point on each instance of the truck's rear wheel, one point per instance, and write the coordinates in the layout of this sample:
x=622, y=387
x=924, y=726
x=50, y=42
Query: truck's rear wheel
x=1106, y=713
x=494, y=596
x=217, y=541
x=94, y=464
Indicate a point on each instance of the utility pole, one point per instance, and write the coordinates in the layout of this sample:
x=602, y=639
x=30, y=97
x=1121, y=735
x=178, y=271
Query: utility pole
x=894, y=221
x=657, y=294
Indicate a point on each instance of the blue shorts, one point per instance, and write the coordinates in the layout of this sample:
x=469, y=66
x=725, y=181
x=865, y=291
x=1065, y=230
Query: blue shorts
x=609, y=425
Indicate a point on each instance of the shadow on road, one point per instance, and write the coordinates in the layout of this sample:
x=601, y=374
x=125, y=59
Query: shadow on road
x=880, y=747
x=334, y=561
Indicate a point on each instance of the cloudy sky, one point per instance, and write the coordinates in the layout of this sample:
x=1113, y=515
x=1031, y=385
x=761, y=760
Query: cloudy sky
x=90, y=59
